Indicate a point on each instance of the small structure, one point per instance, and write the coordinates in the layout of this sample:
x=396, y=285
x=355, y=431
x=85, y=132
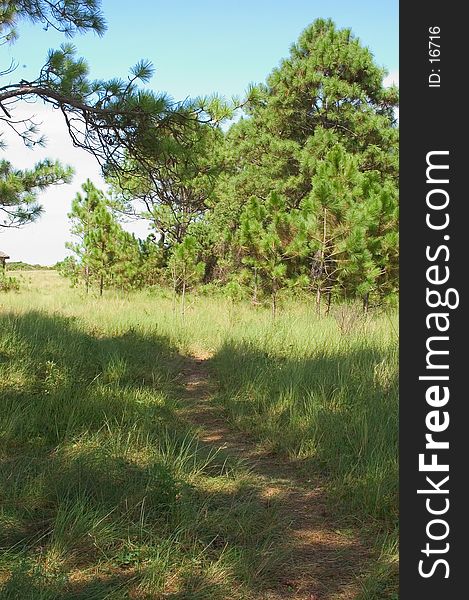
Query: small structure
x=3, y=259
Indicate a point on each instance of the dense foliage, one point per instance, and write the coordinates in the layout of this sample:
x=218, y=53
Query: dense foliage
x=321, y=136
x=301, y=192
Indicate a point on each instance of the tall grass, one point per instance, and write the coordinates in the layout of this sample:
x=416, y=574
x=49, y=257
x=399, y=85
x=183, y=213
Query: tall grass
x=104, y=493
x=327, y=398
x=100, y=471
x=330, y=399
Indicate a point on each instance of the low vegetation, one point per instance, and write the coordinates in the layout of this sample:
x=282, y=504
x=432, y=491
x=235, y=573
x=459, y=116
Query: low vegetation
x=8, y=283
x=272, y=256
x=106, y=492
x=23, y=266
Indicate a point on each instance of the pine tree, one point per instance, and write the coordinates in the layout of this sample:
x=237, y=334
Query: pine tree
x=98, y=233
x=172, y=188
x=355, y=213
x=329, y=200
x=185, y=268
x=102, y=244
x=113, y=119
x=267, y=240
x=19, y=190
x=371, y=248
x=127, y=270
x=327, y=94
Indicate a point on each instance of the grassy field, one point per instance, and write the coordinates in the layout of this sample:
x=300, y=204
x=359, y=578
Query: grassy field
x=105, y=491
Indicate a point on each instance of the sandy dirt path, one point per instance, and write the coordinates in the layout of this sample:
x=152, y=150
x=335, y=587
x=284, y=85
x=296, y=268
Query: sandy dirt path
x=321, y=563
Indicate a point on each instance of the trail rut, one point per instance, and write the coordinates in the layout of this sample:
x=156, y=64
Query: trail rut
x=321, y=563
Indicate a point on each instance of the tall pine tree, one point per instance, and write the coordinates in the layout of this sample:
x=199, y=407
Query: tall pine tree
x=98, y=233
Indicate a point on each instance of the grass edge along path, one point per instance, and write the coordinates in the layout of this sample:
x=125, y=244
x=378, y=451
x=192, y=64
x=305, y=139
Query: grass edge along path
x=106, y=373
x=319, y=562
x=104, y=493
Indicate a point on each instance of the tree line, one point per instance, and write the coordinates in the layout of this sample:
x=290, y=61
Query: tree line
x=294, y=187
x=300, y=193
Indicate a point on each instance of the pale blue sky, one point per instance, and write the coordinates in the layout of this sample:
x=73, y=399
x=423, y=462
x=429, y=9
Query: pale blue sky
x=197, y=48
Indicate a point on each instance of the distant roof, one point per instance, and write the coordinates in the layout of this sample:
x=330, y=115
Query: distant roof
x=3, y=255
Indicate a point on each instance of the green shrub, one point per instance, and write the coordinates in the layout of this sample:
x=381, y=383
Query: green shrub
x=8, y=284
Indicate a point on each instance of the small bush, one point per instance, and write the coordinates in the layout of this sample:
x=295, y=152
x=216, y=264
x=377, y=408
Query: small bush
x=8, y=284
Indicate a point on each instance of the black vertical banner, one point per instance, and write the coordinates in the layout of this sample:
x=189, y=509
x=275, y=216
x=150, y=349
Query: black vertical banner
x=434, y=431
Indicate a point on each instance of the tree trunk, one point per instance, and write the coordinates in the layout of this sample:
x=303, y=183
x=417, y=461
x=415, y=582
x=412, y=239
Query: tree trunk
x=274, y=305
x=366, y=301
x=174, y=296
x=322, y=264
x=318, y=300
x=101, y=284
x=254, y=299
x=328, y=308
x=183, y=299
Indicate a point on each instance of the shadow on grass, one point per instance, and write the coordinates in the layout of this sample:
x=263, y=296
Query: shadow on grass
x=337, y=413
x=106, y=494
x=28, y=582
x=332, y=416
